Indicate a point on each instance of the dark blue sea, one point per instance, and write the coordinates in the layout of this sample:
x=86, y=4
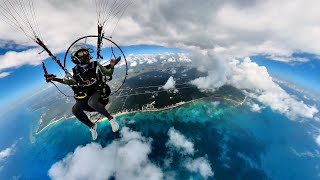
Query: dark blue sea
x=236, y=142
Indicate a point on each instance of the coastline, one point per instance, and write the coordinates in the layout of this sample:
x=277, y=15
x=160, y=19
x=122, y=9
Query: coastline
x=170, y=107
x=53, y=122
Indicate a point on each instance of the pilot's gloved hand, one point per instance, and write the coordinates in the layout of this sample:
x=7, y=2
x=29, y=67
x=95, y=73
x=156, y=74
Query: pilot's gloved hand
x=49, y=77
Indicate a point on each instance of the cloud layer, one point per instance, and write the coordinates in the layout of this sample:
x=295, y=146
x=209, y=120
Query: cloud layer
x=4, y=74
x=126, y=158
x=185, y=147
x=17, y=59
x=255, y=81
x=230, y=27
x=318, y=140
x=7, y=152
x=200, y=165
x=177, y=140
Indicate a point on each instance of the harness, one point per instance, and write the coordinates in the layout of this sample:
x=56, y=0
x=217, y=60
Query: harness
x=89, y=79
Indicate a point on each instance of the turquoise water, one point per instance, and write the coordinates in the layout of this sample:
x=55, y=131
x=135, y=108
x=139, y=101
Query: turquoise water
x=238, y=143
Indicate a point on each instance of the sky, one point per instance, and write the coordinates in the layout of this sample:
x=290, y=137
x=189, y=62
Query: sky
x=218, y=33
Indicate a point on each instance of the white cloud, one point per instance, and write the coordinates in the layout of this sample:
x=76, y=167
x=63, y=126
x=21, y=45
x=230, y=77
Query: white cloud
x=170, y=84
x=255, y=108
x=241, y=28
x=7, y=152
x=177, y=140
x=186, y=148
x=318, y=140
x=171, y=60
x=126, y=158
x=287, y=59
x=4, y=74
x=232, y=28
x=136, y=59
x=13, y=59
x=216, y=67
x=248, y=75
x=133, y=63
x=273, y=19
x=200, y=165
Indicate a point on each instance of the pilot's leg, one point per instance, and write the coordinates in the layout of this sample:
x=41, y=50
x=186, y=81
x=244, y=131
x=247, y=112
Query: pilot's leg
x=78, y=110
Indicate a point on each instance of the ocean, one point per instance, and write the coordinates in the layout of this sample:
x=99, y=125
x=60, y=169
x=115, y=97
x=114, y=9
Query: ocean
x=236, y=142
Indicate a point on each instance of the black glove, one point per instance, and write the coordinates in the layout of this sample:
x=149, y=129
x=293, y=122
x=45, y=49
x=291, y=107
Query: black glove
x=49, y=77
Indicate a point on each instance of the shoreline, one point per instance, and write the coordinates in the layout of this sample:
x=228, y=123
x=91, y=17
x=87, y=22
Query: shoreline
x=53, y=122
x=170, y=107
